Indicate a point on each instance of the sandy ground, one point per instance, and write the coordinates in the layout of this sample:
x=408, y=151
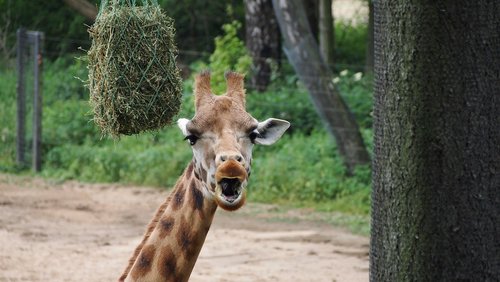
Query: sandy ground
x=81, y=232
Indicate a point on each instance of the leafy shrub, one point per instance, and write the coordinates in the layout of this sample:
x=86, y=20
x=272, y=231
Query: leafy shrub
x=350, y=45
x=62, y=80
x=230, y=54
x=147, y=159
x=292, y=104
x=7, y=119
x=303, y=168
x=356, y=90
x=68, y=122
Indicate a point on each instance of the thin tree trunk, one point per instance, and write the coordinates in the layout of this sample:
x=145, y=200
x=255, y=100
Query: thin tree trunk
x=369, y=39
x=312, y=12
x=436, y=170
x=262, y=40
x=303, y=52
x=326, y=32
x=83, y=7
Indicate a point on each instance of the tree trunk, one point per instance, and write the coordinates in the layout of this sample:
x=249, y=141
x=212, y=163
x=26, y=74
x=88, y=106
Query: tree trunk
x=262, y=40
x=303, y=52
x=83, y=7
x=436, y=170
x=326, y=32
x=369, y=39
x=312, y=12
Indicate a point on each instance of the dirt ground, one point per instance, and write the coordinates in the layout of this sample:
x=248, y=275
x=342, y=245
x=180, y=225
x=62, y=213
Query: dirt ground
x=86, y=232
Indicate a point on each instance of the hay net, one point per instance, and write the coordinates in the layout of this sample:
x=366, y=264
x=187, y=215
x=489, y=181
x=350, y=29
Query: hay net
x=134, y=81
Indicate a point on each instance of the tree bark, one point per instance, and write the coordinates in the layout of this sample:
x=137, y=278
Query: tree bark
x=312, y=12
x=369, y=40
x=303, y=52
x=83, y=7
x=262, y=40
x=326, y=31
x=436, y=169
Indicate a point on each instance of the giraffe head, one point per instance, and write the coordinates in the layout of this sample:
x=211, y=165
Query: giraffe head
x=222, y=135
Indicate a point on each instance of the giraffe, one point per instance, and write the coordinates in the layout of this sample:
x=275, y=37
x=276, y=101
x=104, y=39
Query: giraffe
x=221, y=135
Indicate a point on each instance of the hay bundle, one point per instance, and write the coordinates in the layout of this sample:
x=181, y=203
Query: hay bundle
x=134, y=81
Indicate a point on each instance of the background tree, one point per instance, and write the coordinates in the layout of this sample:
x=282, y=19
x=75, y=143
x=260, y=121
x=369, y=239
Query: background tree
x=326, y=31
x=312, y=12
x=303, y=53
x=369, y=39
x=262, y=40
x=436, y=174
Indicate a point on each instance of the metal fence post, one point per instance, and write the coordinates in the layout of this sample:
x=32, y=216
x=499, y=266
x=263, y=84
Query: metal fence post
x=37, y=103
x=21, y=97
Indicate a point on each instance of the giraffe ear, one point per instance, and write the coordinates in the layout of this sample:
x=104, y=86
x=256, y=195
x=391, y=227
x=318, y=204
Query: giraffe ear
x=271, y=130
x=182, y=123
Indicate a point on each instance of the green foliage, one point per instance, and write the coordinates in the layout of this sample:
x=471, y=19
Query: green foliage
x=304, y=168
x=285, y=102
x=64, y=29
x=198, y=23
x=68, y=122
x=155, y=160
x=7, y=119
x=356, y=90
x=350, y=45
x=230, y=54
x=62, y=80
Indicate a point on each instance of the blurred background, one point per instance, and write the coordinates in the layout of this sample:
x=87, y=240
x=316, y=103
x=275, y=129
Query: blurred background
x=303, y=169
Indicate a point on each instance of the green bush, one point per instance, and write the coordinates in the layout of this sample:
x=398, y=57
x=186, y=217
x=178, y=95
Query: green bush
x=7, y=119
x=350, y=45
x=284, y=102
x=356, y=90
x=148, y=159
x=230, y=54
x=303, y=168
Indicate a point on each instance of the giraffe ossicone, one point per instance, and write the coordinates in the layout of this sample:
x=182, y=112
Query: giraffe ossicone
x=222, y=135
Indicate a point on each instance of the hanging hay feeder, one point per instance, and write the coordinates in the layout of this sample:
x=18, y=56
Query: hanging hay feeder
x=134, y=81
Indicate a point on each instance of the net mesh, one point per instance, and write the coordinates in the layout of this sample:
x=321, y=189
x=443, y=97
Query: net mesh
x=134, y=81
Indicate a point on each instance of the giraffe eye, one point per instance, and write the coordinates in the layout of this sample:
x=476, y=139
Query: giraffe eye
x=253, y=135
x=192, y=139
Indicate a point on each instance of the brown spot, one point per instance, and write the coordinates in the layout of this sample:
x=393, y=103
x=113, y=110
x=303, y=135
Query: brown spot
x=167, y=264
x=143, y=264
x=178, y=197
x=203, y=175
x=187, y=240
x=212, y=185
x=196, y=197
x=166, y=226
x=197, y=175
x=189, y=169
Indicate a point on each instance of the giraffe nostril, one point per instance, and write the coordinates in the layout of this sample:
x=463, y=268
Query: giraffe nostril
x=239, y=158
x=223, y=158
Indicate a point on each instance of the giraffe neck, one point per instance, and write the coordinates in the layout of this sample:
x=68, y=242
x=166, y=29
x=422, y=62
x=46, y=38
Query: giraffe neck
x=176, y=234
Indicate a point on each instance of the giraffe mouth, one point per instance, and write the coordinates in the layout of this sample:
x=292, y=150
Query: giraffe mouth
x=231, y=180
x=230, y=189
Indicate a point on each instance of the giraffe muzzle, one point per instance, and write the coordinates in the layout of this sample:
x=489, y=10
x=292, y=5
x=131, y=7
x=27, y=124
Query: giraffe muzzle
x=231, y=179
